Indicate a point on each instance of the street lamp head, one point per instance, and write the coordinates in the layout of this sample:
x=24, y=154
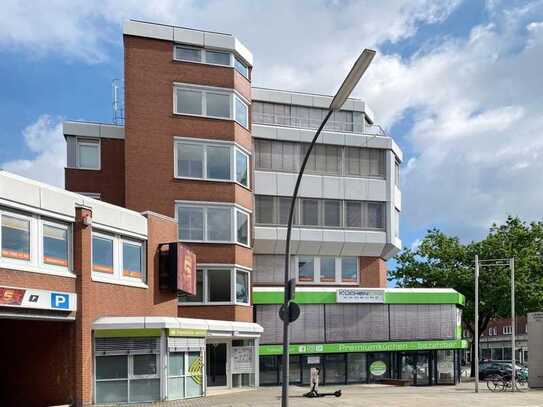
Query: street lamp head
x=352, y=79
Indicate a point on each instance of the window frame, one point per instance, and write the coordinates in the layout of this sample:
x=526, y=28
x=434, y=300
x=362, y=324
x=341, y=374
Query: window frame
x=234, y=209
x=234, y=149
x=233, y=270
x=117, y=277
x=317, y=275
x=36, y=263
x=204, y=91
x=88, y=141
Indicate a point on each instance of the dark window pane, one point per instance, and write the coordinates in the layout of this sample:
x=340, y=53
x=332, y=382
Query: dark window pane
x=218, y=162
x=264, y=209
x=243, y=227
x=353, y=216
x=241, y=68
x=144, y=365
x=375, y=215
x=218, y=224
x=242, y=168
x=332, y=213
x=199, y=297
x=219, y=285
x=328, y=269
x=111, y=367
x=188, y=54
x=310, y=212
x=242, y=287
x=306, y=268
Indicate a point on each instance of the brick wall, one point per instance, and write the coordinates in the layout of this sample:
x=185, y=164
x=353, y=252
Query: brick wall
x=373, y=272
x=108, y=181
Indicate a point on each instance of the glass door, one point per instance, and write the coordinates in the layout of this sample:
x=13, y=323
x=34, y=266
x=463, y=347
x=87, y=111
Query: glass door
x=216, y=357
x=415, y=368
x=408, y=366
x=423, y=369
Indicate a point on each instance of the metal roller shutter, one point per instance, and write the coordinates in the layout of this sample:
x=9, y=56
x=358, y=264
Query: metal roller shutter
x=116, y=346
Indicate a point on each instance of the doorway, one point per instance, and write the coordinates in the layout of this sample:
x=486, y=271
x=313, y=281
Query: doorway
x=415, y=368
x=216, y=359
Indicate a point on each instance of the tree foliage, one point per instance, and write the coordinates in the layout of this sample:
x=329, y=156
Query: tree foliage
x=442, y=261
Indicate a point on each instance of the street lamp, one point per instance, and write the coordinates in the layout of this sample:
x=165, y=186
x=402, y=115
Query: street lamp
x=341, y=96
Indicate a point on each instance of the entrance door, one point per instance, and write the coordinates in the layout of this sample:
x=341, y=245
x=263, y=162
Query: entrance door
x=216, y=357
x=415, y=368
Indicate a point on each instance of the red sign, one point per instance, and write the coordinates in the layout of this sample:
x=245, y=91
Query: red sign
x=11, y=296
x=186, y=270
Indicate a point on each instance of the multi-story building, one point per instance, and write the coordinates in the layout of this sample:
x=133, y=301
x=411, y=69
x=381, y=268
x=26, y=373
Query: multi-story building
x=217, y=159
x=495, y=342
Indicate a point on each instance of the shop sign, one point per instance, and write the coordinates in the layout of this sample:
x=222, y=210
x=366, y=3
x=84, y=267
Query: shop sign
x=378, y=368
x=37, y=299
x=177, y=268
x=187, y=332
x=364, y=347
x=313, y=360
x=243, y=359
x=186, y=270
x=360, y=295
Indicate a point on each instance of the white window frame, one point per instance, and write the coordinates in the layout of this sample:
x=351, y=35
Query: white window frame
x=87, y=141
x=205, y=143
x=36, y=263
x=204, y=90
x=317, y=272
x=234, y=208
x=185, y=376
x=203, y=58
x=117, y=276
x=232, y=269
x=507, y=330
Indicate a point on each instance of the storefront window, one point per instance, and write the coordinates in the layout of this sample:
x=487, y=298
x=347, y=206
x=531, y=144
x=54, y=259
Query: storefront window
x=334, y=369
x=194, y=375
x=269, y=370
x=356, y=368
x=111, y=379
x=55, y=245
x=445, y=366
x=378, y=366
x=15, y=238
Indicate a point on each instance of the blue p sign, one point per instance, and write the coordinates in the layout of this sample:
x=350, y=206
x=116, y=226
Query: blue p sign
x=60, y=301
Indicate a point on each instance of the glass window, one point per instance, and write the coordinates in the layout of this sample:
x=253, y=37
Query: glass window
x=332, y=212
x=199, y=297
x=263, y=149
x=310, y=212
x=190, y=160
x=349, y=269
x=176, y=366
x=241, y=112
x=356, y=368
x=144, y=390
x=242, y=287
x=242, y=221
x=189, y=101
x=264, y=209
x=111, y=367
x=397, y=173
x=55, y=245
x=353, y=217
x=218, y=224
x=375, y=215
x=191, y=223
x=328, y=269
x=194, y=374
x=144, y=365
x=242, y=168
x=176, y=373
x=241, y=68
x=188, y=54
x=132, y=260
x=102, y=254
x=335, y=369
x=283, y=210
x=306, y=268
x=218, y=162
x=218, y=58
x=15, y=238
x=218, y=282
x=397, y=223
x=218, y=105
x=89, y=154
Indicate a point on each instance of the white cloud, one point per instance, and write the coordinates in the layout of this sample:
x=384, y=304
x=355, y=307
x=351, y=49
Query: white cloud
x=45, y=141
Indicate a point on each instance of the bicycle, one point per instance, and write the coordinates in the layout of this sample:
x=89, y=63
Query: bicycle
x=497, y=383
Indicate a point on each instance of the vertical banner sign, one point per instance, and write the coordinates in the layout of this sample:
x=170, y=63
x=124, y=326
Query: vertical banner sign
x=186, y=270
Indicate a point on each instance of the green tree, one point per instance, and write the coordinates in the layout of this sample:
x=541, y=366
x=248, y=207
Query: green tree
x=442, y=261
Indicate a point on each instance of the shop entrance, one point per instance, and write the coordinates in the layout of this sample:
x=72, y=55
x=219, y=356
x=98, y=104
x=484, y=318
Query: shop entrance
x=416, y=368
x=216, y=359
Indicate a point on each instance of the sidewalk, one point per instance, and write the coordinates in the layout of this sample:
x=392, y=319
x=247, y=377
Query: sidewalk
x=369, y=396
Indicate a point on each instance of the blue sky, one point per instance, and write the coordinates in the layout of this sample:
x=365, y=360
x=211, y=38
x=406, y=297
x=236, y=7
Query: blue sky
x=457, y=83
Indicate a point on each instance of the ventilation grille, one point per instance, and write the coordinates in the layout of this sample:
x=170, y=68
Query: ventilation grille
x=127, y=345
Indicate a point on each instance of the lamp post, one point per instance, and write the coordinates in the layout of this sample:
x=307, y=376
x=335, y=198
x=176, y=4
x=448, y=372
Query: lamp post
x=341, y=96
x=495, y=263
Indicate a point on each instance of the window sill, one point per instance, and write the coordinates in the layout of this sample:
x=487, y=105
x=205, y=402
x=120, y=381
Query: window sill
x=33, y=269
x=84, y=169
x=224, y=181
x=135, y=284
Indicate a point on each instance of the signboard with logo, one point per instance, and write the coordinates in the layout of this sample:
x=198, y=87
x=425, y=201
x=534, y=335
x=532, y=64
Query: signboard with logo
x=37, y=299
x=378, y=368
x=177, y=268
x=360, y=295
x=243, y=359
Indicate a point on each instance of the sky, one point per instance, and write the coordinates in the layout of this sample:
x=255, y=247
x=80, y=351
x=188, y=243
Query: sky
x=458, y=84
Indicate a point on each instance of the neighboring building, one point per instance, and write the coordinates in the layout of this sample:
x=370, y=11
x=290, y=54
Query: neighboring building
x=217, y=160
x=495, y=343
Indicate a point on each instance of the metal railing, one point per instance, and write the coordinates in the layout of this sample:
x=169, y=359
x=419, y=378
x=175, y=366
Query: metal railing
x=309, y=123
